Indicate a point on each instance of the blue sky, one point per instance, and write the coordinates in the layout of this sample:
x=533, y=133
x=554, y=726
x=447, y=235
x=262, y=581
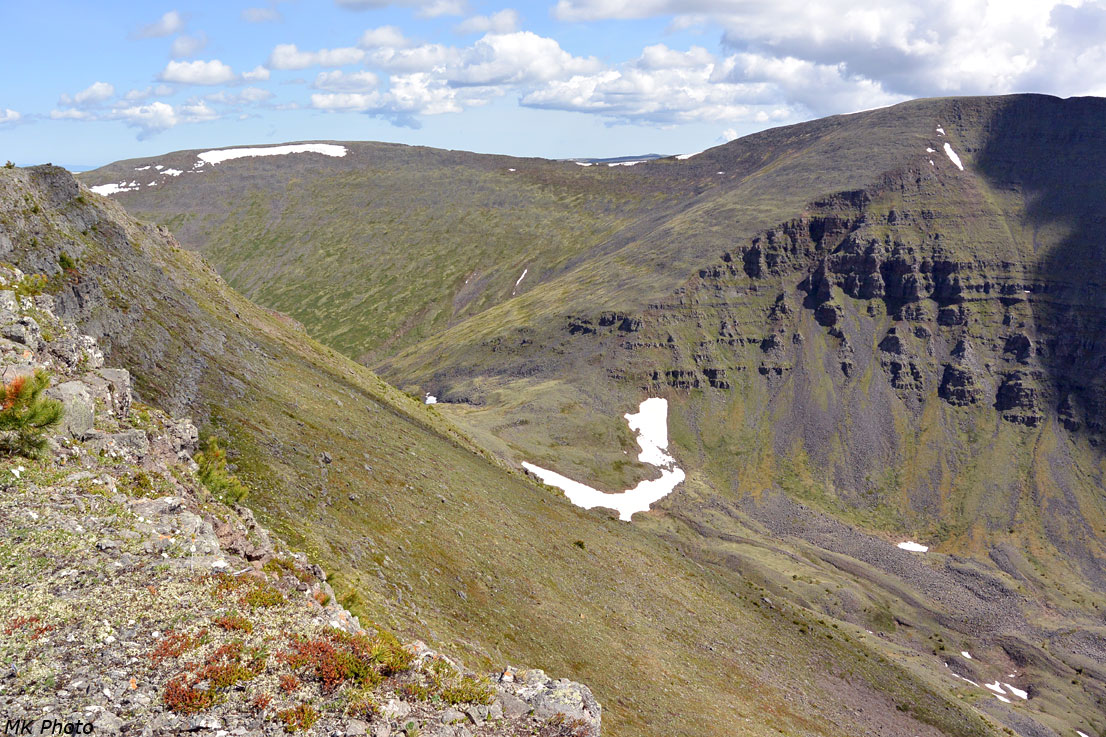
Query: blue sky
x=89, y=83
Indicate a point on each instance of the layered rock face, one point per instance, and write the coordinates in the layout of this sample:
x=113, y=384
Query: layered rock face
x=927, y=349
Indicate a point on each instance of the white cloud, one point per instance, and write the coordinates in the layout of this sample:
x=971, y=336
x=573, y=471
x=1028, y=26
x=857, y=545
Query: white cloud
x=94, y=94
x=261, y=15
x=897, y=48
x=384, y=36
x=438, y=8
x=513, y=58
x=410, y=95
x=170, y=23
x=504, y=21
x=339, y=81
x=247, y=96
x=197, y=72
x=149, y=119
x=197, y=112
x=665, y=86
x=161, y=90
x=187, y=45
x=258, y=74
x=7, y=115
x=71, y=115
x=287, y=56
x=415, y=59
x=160, y=116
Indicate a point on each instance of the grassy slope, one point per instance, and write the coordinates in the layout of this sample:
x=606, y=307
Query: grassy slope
x=437, y=539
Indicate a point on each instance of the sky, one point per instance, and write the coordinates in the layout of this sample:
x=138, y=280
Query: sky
x=90, y=83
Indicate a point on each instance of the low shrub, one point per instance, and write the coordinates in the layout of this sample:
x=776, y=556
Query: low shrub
x=26, y=416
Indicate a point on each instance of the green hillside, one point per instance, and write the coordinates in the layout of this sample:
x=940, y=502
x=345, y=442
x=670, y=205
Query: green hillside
x=861, y=343
x=429, y=534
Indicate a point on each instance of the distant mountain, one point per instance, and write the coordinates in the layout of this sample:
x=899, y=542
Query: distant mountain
x=871, y=329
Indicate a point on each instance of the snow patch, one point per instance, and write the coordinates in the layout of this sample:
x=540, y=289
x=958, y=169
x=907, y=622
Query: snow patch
x=685, y=157
x=519, y=281
x=651, y=424
x=159, y=167
x=582, y=163
x=1082, y=734
x=173, y=172
x=142, y=168
x=931, y=163
x=1003, y=699
x=996, y=686
x=326, y=149
x=510, y=170
x=940, y=131
x=152, y=184
x=1016, y=691
x=966, y=654
x=431, y=399
x=114, y=188
x=962, y=678
x=623, y=163
x=953, y=157
x=930, y=150
x=913, y=547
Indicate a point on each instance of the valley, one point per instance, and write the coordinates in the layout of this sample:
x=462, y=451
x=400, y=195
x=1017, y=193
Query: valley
x=878, y=339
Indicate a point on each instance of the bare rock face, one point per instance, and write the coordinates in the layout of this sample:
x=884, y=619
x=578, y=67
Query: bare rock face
x=76, y=398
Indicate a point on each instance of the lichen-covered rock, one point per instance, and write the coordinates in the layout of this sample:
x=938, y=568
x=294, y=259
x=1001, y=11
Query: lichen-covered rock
x=550, y=698
x=76, y=398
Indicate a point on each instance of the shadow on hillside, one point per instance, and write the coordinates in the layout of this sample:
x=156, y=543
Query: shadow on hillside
x=1053, y=153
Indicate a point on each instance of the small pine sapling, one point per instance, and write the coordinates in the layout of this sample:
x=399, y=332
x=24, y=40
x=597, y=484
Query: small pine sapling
x=223, y=485
x=26, y=416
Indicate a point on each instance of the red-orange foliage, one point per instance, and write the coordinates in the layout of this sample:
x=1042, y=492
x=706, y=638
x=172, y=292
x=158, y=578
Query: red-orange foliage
x=175, y=644
x=12, y=390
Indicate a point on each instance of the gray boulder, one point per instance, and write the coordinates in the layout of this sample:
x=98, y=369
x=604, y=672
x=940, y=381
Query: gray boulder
x=112, y=387
x=21, y=329
x=548, y=698
x=76, y=397
x=129, y=443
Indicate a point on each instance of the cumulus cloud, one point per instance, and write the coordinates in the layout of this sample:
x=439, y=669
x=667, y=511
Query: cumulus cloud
x=894, y=49
x=383, y=37
x=504, y=21
x=257, y=74
x=197, y=72
x=288, y=56
x=94, y=94
x=261, y=15
x=161, y=90
x=168, y=24
x=9, y=116
x=437, y=8
x=246, y=96
x=71, y=115
x=339, y=81
x=663, y=86
x=185, y=45
x=410, y=95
